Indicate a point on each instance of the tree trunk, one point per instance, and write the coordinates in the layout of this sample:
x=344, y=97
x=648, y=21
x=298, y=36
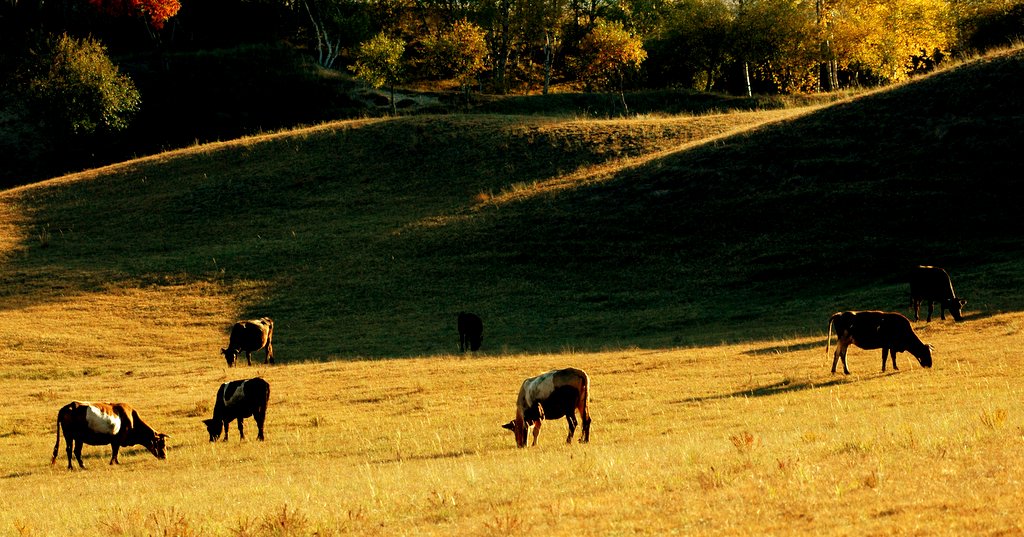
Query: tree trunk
x=746, y=77
x=549, y=53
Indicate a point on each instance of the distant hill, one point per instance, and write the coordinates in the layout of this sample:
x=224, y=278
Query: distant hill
x=366, y=237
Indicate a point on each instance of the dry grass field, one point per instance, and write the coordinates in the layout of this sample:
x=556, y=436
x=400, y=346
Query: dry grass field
x=730, y=439
x=688, y=263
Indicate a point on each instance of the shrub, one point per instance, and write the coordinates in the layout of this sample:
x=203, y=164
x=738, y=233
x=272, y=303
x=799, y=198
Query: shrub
x=79, y=91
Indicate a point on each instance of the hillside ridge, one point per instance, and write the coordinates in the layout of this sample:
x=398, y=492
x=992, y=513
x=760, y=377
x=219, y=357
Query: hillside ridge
x=746, y=235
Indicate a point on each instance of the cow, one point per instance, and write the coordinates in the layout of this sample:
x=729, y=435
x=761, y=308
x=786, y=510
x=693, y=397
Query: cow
x=99, y=424
x=551, y=395
x=888, y=331
x=237, y=400
x=928, y=284
x=249, y=337
x=471, y=331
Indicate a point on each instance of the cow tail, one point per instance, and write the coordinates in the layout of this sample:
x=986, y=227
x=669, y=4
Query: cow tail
x=585, y=397
x=56, y=446
x=828, y=338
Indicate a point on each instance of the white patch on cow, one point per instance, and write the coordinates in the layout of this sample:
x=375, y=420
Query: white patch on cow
x=539, y=388
x=101, y=422
x=234, y=398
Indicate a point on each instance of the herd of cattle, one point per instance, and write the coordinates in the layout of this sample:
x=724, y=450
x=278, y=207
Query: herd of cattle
x=551, y=395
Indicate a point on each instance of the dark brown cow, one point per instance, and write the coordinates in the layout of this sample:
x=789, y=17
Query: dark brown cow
x=471, y=330
x=888, y=331
x=236, y=400
x=249, y=337
x=551, y=395
x=99, y=424
x=932, y=284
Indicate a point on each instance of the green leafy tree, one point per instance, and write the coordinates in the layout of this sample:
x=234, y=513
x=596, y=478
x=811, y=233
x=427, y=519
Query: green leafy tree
x=379, y=63
x=79, y=91
x=607, y=54
x=458, y=52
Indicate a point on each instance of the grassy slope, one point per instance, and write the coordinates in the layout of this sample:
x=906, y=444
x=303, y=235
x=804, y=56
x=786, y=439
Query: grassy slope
x=364, y=238
x=383, y=229
x=322, y=228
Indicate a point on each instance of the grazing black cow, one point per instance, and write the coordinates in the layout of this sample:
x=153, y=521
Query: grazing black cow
x=249, y=337
x=551, y=395
x=471, y=331
x=888, y=331
x=928, y=284
x=100, y=424
x=236, y=400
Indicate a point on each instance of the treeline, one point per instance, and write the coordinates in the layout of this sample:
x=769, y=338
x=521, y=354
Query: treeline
x=736, y=46
x=77, y=76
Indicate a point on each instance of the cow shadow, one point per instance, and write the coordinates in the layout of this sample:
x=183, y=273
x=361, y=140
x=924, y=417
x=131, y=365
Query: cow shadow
x=781, y=387
x=782, y=349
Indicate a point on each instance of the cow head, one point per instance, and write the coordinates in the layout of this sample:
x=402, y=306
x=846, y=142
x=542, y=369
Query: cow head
x=214, y=427
x=229, y=355
x=926, y=356
x=955, y=305
x=520, y=428
x=475, y=341
x=158, y=445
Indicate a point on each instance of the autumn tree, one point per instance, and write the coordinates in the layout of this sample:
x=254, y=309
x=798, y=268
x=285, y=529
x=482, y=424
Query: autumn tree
x=608, y=53
x=379, y=63
x=880, y=38
x=154, y=13
x=692, y=45
x=458, y=52
x=779, y=40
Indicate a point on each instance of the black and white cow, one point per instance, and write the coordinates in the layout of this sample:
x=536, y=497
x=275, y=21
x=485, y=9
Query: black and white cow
x=237, y=400
x=551, y=395
x=100, y=424
x=471, y=330
x=889, y=331
x=249, y=337
x=932, y=284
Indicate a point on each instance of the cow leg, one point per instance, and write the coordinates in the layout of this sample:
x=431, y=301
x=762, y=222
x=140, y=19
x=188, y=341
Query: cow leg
x=71, y=446
x=248, y=357
x=570, y=418
x=931, y=305
x=893, y=353
x=227, y=429
x=259, y=416
x=241, y=431
x=113, y=456
x=915, y=305
x=270, y=354
x=78, y=454
x=840, y=354
x=885, y=355
x=585, y=435
x=536, y=431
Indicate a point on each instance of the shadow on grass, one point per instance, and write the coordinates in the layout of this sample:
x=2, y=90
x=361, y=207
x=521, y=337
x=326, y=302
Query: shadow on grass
x=781, y=349
x=781, y=387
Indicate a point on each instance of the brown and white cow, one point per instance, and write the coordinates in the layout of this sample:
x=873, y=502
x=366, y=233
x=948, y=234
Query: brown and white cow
x=249, y=337
x=551, y=395
x=99, y=424
x=471, y=330
x=888, y=331
x=236, y=400
x=932, y=284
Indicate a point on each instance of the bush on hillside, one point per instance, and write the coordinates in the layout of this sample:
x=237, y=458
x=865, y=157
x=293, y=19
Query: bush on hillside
x=79, y=91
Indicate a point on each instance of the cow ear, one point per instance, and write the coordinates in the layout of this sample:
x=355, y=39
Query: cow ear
x=510, y=425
